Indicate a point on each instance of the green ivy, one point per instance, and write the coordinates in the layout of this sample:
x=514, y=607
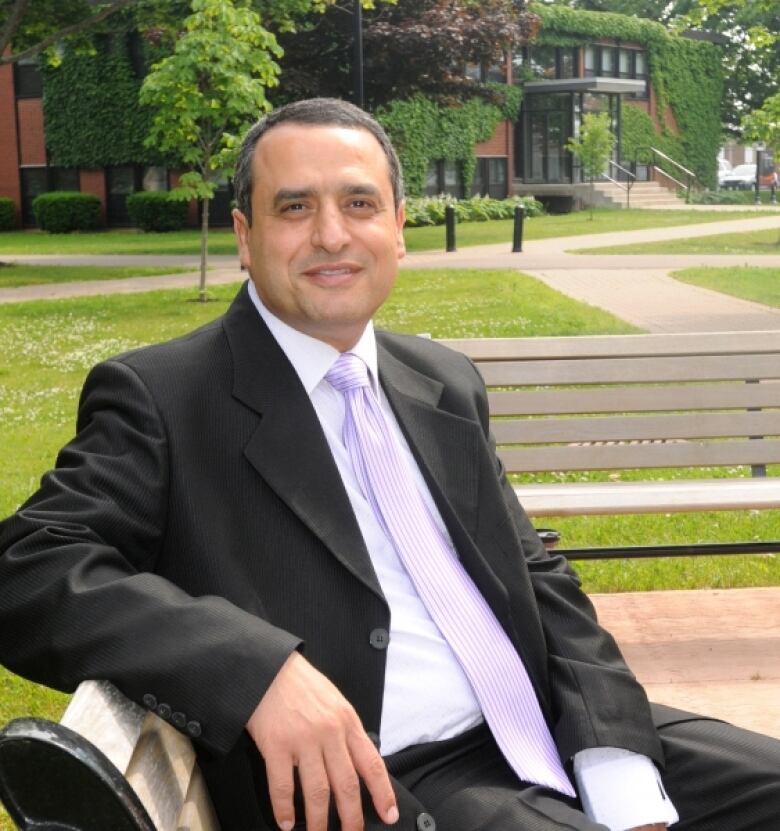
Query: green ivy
x=424, y=131
x=686, y=75
x=91, y=111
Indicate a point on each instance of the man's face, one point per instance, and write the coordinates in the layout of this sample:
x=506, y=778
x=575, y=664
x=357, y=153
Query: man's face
x=325, y=239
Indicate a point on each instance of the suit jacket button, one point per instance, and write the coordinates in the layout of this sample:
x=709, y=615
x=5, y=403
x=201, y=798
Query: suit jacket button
x=425, y=822
x=374, y=738
x=379, y=638
x=149, y=701
x=179, y=720
x=164, y=711
x=194, y=729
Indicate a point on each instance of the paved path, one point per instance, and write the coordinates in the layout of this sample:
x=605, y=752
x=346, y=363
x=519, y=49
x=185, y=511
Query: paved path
x=636, y=288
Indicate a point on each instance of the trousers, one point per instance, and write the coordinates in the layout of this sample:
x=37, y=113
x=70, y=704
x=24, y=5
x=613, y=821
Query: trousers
x=720, y=778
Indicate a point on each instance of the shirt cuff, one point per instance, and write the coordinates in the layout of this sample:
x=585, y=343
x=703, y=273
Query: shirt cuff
x=621, y=789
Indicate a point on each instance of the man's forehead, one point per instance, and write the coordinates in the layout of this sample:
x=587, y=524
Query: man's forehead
x=287, y=157
x=350, y=136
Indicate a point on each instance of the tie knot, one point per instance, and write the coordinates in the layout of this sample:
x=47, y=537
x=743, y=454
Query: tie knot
x=348, y=373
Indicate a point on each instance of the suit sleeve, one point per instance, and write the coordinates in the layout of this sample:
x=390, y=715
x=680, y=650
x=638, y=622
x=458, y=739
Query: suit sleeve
x=595, y=699
x=79, y=598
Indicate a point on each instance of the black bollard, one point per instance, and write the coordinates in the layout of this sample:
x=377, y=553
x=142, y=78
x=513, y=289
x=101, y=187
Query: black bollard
x=449, y=221
x=517, y=239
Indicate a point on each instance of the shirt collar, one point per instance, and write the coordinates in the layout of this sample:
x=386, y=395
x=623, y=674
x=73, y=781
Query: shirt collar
x=312, y=358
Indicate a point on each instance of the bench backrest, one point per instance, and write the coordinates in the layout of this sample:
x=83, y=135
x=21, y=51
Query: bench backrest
x=632, y=401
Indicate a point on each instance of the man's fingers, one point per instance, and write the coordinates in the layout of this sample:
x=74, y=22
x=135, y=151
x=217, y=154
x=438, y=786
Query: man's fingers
x=316, y=791
x=281, y=789
x=372, y=770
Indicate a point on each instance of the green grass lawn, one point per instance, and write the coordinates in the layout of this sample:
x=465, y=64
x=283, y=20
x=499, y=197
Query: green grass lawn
x=747, y=242
x=47, y=347
x=131, y=241
x=13, y=275
x=761, y=285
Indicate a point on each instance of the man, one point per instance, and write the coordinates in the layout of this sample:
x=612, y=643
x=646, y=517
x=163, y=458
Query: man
x=217, y=543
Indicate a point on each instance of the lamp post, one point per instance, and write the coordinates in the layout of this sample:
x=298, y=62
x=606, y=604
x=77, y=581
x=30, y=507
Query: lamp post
x=760, y=147
x=357, y=61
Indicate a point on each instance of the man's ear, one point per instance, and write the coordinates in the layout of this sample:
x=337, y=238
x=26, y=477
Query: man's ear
x=241, y=229
x=400, y=220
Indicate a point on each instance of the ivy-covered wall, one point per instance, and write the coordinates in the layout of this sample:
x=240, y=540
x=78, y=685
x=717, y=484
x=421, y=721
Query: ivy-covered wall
x=90, y=104
x=686, y=75
x=424, y=131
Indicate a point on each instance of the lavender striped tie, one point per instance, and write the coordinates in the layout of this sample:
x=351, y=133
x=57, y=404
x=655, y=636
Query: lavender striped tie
x=492, y=665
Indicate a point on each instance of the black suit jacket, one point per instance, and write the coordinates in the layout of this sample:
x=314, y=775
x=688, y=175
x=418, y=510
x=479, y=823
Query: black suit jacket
x=196, y=531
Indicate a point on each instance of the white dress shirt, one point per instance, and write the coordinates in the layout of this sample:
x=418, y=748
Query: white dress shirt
x=427, y=696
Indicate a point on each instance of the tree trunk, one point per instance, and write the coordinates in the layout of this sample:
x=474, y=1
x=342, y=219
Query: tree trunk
x=204, y=249
x=592, y=195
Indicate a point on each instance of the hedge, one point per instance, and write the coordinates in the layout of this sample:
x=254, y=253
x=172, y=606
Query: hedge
x=430, y=210
x=63, y=211
x=156, y=211
x=7, y=214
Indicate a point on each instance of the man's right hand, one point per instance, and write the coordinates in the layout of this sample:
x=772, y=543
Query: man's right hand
x=304, y=721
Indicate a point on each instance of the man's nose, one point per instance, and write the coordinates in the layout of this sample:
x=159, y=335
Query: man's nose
x=330, y=230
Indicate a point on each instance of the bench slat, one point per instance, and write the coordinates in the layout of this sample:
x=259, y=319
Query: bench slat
x=739, y=396
x=674, y=496
x=698, y=343
x=621, y=428
x=640, y=455
x=633, y=370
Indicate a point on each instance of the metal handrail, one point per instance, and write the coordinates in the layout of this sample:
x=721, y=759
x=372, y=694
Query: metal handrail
x=691, y=176
x=630, y=179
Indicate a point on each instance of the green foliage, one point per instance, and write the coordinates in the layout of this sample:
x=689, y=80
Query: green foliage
x=90, y=106
x=594, y=145
x=61, y=212
x=156, y=211
x=206, y=95
x=430, y=210
x=7, y=214
x=210, y=89
x=686, y=76
x=763, y=124
x=424, y=131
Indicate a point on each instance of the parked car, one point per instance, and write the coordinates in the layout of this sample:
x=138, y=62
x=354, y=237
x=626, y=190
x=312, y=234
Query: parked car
x=742, y=177
x=724, y=168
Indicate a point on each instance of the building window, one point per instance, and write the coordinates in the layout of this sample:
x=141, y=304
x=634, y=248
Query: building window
x=34, y=182
x=607, y=62
x=154, y=177
x=27, y=79
x=490, y=177
x=544, y=62
x=484, y=72
x=64, y=178
x=444, y=176
x=590, y=61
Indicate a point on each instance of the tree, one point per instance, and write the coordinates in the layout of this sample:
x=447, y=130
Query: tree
x=410, y=46
x=593, y=147
x=33, y=27
x=208, y=92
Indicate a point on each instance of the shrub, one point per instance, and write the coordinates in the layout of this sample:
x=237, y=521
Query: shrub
x=429, y=210
x=156, y=211
x=63, y=211
x=7, y=214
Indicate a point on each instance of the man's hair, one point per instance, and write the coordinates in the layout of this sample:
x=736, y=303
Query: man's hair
x=314, y=111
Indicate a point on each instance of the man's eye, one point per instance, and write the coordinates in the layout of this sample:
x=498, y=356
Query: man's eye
x=361, y=204
x=293, y=207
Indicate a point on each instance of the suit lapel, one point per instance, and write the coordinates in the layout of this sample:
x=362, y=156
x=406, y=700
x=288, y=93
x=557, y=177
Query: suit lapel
x=289, y=449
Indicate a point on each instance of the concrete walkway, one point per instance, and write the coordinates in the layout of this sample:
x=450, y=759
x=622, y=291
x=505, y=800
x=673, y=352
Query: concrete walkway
x=636, y=288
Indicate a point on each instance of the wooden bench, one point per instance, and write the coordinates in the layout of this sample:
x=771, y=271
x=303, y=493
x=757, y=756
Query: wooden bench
x=637, y=402
x=558, y=404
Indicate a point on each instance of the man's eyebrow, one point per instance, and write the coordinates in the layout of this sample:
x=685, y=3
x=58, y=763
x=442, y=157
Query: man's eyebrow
x=287, y=195
x=362, y=190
